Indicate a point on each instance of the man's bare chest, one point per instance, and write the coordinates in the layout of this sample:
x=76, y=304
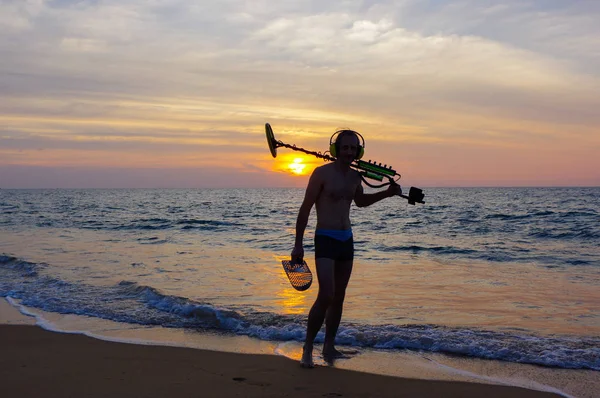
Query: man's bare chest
x=339, y=189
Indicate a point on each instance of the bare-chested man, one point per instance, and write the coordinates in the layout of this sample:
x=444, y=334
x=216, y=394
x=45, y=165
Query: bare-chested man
x=332, y=188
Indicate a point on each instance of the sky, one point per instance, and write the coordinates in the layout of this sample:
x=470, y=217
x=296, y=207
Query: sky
x=176, y=93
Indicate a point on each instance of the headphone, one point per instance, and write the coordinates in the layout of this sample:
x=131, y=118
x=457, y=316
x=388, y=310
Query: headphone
x=334, y=144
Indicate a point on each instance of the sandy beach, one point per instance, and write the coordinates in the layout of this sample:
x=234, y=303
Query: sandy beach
x=37, y=362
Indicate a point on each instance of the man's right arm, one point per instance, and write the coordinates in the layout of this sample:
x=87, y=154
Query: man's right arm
x=315, y=184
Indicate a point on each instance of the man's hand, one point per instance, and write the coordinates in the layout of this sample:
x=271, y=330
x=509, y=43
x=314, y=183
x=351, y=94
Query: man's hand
x=394, y=189
x=297, y=254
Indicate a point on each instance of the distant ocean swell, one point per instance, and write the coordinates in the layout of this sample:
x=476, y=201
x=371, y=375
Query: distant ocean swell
x=528, y=247
x=133, y=303
x=554, y=227
x=496, y=253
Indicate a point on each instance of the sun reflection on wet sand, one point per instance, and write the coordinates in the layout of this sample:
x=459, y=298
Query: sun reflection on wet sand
x=290, y=300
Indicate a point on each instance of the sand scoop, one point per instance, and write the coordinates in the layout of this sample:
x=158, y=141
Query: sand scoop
x=298, y=273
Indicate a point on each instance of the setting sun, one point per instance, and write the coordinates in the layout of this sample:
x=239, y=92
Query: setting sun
x=297, y=167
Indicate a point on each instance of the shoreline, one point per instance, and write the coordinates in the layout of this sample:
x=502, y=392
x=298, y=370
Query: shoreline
x=70, y=363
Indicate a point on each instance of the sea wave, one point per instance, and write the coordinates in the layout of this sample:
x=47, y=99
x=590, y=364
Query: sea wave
x=512, y=217
x=24, y=268
x=134, y=303
x=432, y=249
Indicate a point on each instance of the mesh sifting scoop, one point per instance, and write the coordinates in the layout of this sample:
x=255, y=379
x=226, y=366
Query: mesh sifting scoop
x=298, y=273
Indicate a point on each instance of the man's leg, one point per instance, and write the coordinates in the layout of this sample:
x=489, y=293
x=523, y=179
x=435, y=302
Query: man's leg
x=316, y=316
x=342, y=272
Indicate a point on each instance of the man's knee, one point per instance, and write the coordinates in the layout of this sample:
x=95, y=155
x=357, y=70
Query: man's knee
x=338, y=297
x=326, y=297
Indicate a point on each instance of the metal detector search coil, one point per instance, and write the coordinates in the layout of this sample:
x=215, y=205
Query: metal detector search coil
x=367, y=169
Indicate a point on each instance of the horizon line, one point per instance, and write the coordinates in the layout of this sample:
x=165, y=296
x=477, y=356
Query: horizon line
x=292, y=187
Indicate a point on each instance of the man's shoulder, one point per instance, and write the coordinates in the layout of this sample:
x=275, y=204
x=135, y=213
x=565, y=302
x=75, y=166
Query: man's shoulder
x=323, y=168
x=319, y=173
x=326, y=166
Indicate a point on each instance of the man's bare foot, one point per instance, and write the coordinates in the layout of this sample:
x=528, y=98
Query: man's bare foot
x=330, y=354
x=307, y=360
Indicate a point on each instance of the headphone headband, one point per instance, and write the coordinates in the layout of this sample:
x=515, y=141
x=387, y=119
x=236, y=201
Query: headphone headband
x=334, y=143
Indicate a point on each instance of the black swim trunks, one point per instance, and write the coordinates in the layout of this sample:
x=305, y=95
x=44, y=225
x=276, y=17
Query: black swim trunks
x=328, y=247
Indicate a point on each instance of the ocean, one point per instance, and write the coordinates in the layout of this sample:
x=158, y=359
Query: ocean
x=508, y=274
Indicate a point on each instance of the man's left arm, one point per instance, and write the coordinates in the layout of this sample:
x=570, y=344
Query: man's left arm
x=362, y=199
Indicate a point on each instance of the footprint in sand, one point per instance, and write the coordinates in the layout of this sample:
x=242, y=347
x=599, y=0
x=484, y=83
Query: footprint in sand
x=252, y=383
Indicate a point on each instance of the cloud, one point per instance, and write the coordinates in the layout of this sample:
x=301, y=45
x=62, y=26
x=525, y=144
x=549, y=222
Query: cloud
x=171, y=74
x=150, y=177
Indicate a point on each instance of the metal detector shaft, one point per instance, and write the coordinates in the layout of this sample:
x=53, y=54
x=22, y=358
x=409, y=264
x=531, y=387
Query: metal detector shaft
x=366, y=169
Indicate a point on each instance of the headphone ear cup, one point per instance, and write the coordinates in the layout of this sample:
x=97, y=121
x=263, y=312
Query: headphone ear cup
x=361, y=152
x=333, y=150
